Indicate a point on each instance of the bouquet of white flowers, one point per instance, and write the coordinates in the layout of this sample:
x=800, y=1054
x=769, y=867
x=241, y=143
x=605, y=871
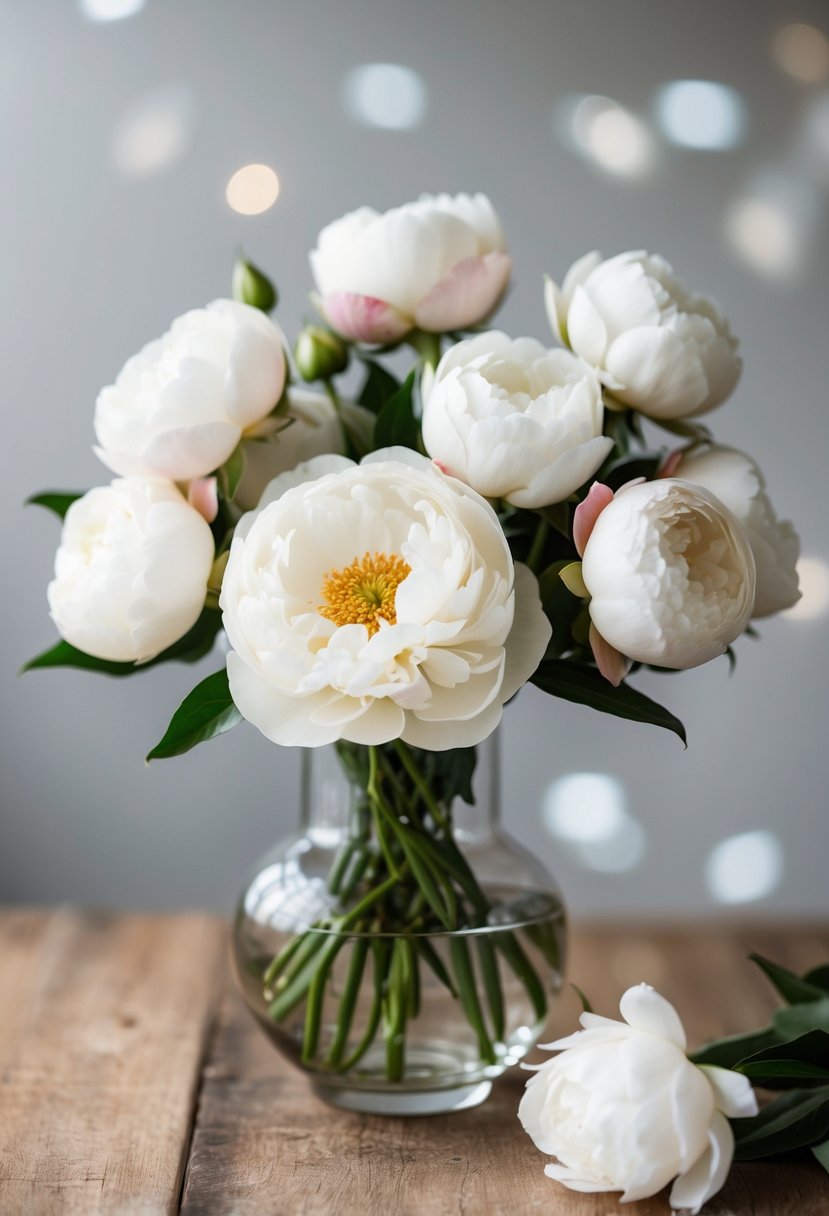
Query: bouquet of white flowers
x=390, y=570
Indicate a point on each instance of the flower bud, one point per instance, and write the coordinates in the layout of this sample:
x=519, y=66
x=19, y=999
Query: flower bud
x=251, y=286
x=319, y=353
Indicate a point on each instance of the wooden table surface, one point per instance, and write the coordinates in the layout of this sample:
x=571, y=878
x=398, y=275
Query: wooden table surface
x=133, y=1082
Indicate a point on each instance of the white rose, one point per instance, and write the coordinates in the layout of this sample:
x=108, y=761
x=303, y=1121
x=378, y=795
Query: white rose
x=377, y=601
x=438, y=264
x=670, y=574
x=180, y=406
x=658, y=348
x=738, y=482
x=310, y=427
x=623, y=1109
x=131, y=571
x=515, y=420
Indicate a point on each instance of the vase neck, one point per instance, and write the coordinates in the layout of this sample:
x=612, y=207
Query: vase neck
x=331, y=801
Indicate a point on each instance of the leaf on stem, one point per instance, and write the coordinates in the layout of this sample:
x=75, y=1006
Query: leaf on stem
x=378, y=386
x=205, y=712
x=397, y=425
x=793, y=988
x=58, y=501
x=585, y=686
x=195, y=644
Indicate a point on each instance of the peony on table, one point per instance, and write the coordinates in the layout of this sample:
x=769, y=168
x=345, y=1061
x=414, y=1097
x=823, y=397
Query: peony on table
x=161, y=1097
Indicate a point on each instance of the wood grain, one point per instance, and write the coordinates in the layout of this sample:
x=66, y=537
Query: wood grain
x=103, y=1026
x=263, y=1143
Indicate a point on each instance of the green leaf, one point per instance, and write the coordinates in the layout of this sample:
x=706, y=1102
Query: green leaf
x=806, y=1057
x=231, y=472
x=797, y=1119
x=619, y=472
x=793, y=988
x=586, y=686
x=195, y=644
x=728, y=1052
x=586, y=1007
x=396, y=422
x=378, y=387
x=58, y=501
x=799, y=1019
x=819, y=976
x=821, y=1152
x=560, y=605
x=205, y=712
x=449, y=774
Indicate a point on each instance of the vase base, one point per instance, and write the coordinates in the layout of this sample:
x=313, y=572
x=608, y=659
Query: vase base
x=415, y=1102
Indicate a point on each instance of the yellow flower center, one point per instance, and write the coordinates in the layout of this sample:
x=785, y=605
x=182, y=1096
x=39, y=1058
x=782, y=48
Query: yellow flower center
x=362, y=593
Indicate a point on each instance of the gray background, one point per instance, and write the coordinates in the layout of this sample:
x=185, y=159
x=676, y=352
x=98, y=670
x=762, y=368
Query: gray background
x=97, y=261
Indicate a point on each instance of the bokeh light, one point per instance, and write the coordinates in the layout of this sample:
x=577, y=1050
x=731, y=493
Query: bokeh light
x=745, y=867
x=588, y=811
x=813, y=574
x=701, y=114
x=606, y=134
x=772, y=226
x=110, y=10
x=155, y=132
x=802, y=51
x=386, y=95
x=252, y=189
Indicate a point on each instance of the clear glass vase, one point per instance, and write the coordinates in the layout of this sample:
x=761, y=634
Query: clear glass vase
x=386, y=1012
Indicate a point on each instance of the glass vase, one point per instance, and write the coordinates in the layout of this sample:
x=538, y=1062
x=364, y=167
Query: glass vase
x=400, y=948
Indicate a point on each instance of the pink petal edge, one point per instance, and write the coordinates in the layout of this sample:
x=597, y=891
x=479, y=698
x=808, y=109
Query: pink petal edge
x=613, y=665
x=203, y=495
x=466, y=294
x=587, y=512
x=364, y=318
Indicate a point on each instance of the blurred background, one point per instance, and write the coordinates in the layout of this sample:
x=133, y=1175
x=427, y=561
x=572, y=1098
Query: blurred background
x=698, y=131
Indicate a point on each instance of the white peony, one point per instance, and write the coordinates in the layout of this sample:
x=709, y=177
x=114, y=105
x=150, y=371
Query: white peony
x=131, y=571
x=515, y=420
x=310, y=427
x=377, y=601
x=657, y=347
x=670, y=574
x=623, y=1109
x=180, y=406
x=438, y=264
x=738, y=482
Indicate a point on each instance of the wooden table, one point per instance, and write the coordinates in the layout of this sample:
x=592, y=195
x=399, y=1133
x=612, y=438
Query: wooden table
x=133, y=1082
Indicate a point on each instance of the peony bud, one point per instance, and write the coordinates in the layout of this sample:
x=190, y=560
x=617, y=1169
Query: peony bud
x=319, y=353
x=670, y=573
x=131, y=571
x=251, y=286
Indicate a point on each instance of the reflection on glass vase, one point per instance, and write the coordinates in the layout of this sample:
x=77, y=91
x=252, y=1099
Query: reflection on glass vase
x=400, y=948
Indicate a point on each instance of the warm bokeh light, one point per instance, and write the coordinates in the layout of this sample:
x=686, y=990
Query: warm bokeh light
x=386, y=95
x=252, y=189
x=802, y=51
x=701, y=114
x=110, y=10
x=745, y=867
x=155, y=133
x=813, y=575
x=606, y=134
x=772, y=227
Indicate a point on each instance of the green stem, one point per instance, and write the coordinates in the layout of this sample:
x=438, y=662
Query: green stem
x=536, y=552
x=380, y=951
x=462, y=965
x=427, y=346
x=421, y=785
x=348, y=1001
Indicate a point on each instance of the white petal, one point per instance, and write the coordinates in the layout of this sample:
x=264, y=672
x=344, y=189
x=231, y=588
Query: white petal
x=659, y=374
x=576, y=1181
x=644, y=1009
x=530, y=633
x=586, y=329
x=692, y=1189
x=733, y=1093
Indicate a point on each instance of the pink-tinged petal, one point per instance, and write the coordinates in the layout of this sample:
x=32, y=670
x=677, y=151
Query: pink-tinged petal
x=613, y=665
x=467, y=294
x=587, y=512
x=671, y=463
x=204, y=496
x=364, y=318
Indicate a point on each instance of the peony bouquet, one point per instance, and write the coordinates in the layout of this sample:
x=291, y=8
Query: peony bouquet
x=382, y=563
